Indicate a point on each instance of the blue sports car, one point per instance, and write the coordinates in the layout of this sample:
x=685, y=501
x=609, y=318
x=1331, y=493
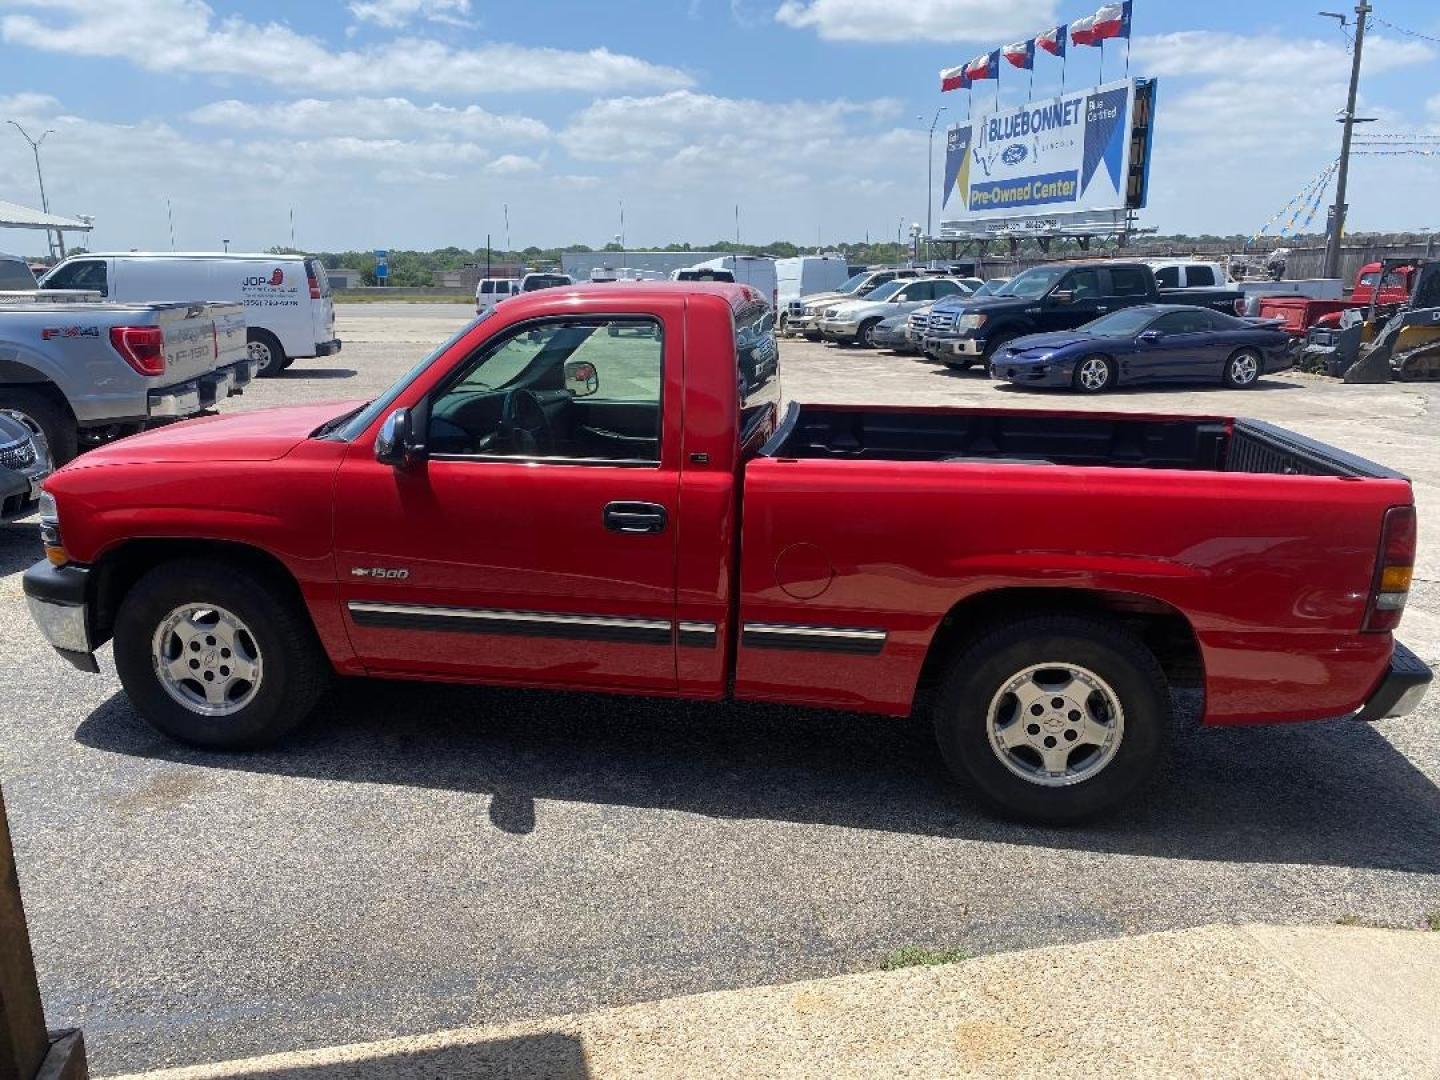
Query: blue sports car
x=1149, y=343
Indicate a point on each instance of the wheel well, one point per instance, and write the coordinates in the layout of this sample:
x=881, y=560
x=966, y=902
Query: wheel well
x=10, y=374
x=118, y=570
x=1163, y=629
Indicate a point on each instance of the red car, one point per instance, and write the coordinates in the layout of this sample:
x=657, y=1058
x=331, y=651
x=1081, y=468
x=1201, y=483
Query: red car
x=595, y=489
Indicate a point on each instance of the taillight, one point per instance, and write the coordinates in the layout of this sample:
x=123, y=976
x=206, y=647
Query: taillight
x=1240, y=306
x=314, y=285
x=1396, y=566
x=142, y=347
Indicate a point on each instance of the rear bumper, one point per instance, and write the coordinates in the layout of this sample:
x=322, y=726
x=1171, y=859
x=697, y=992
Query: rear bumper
x=58, y=600
x=327, y=348
x=1402, y=688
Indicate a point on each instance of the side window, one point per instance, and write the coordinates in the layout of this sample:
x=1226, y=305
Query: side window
x=1128, y=281
x=1173, y=323
x=1085, y=284
x=944, y=288
x=1168, y=277
x=83, y=274
x=579, y=390
x=1200, y=275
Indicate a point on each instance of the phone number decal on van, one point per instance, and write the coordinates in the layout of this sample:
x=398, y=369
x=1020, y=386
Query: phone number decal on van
x=262, y=301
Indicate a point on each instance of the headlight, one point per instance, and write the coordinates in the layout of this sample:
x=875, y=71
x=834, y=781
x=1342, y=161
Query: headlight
x=971, y=322
x=50, y=530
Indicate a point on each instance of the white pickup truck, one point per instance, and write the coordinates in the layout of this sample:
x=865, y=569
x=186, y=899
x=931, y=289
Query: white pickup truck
x=87, y=372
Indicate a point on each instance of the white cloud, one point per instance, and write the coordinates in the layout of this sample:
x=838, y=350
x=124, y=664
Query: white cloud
x=513, y=165
x=918, y=20
x=396, y=13
x=635, y=129
x=1238, y=57
x=369, y=118
x=175, y=36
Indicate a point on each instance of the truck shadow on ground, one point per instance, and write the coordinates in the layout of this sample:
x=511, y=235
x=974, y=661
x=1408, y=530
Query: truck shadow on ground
x=1330, y=793
x=299, y=373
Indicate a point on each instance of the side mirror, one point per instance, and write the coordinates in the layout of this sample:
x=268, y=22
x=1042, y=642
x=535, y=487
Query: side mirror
x=1063, y=296
x=581, y=378
x=397, y=444
x=1150, y=337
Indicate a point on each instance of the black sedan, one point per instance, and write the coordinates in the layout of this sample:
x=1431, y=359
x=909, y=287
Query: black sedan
x=1148, y=343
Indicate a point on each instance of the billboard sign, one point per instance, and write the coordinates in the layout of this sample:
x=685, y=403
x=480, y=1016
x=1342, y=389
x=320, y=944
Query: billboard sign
x=1058, y=155
x=382, y=265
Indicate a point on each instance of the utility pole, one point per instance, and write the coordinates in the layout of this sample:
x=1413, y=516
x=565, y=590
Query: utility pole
x=930, y=182
x=44, y=202
x=1336, y=224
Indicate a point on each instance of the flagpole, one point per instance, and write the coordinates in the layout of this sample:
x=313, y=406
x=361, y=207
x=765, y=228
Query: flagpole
x=1065, y=59
x=1102, y=60
x=1129, y=33
x=1030, y=94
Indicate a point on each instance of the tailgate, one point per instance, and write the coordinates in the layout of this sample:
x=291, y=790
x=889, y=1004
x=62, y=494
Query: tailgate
x=190, y=340
x=230, y=345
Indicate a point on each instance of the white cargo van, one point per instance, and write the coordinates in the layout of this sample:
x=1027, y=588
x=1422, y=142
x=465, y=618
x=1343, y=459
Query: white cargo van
x=805, y=275
x=289, y=312
x=491, y=290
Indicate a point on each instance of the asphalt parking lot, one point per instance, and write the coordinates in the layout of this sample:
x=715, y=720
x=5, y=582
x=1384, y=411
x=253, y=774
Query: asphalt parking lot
x=425, y=857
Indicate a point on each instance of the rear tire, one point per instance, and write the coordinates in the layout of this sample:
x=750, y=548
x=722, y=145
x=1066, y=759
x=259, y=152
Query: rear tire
x=865, y=336
x=265, y=347
x=45, y=417
x=267, y=631
x=1111, y=733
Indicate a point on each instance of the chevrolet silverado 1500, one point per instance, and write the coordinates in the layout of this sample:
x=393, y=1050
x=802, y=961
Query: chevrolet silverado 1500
x=582, y=490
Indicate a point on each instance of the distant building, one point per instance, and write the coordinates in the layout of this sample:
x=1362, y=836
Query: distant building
x=578, y=264
x=469, y=275
x=342, y=277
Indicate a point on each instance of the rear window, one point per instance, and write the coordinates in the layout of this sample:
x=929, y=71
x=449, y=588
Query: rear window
x=706, y=275
x=544, y=281
x=1200, y=275
x=15, y=274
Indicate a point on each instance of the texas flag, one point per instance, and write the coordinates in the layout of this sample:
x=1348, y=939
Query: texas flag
x=984, y=66
x=954, y=79
x=1021, y=54
x=1082, y=31
x=1052, y=40
x=1112, y=21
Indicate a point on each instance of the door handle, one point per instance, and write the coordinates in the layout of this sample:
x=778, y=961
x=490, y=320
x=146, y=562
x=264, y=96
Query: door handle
x=635, y=517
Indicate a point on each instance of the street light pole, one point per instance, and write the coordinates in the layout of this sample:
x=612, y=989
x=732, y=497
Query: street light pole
x=930, y=184
x=40, y=176
x=1336, y=228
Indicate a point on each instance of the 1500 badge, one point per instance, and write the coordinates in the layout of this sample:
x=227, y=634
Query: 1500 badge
x=385, y=572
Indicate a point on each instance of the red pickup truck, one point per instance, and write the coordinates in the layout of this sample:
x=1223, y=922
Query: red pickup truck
x=596, y=489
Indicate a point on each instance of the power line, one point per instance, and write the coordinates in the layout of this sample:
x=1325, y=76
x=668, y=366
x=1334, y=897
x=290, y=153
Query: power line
x=1405, y=31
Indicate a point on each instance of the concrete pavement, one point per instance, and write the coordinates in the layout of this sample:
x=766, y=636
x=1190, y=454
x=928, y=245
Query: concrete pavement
x=1215, y=1001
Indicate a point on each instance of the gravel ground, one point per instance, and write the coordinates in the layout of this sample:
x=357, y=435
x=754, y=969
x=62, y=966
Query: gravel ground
x=429, y=857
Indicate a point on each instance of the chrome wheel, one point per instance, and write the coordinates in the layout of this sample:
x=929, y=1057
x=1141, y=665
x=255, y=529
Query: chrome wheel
x=1244, y=369
x=207, y=660
x=259, y=352
x=1094, y=373
x=1055, y=724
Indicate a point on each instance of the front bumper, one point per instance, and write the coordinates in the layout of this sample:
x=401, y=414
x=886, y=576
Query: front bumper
x=943, y=347
x=1401, y=689
x=58, y=598
x=1033, y=372
x=838, y=329
x=327, y=348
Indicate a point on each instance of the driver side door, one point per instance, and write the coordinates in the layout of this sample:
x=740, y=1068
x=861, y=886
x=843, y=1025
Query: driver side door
x=536, y=545
x=1075, y=300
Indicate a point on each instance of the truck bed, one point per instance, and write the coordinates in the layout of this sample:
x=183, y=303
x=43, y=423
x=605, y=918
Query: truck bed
x=1034, y=437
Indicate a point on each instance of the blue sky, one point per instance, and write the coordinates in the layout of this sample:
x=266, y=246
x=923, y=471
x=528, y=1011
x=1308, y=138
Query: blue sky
x=413, y=123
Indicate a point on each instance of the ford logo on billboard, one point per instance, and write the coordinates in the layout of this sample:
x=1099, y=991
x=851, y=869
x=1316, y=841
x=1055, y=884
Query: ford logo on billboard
x=1014, y=154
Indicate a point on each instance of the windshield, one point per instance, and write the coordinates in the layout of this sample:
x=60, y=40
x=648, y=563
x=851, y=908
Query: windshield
x=1033, y=283
x=884, y=292
x=1127, y=322
x=990, y=288
x=854, y=283
x=367, y=416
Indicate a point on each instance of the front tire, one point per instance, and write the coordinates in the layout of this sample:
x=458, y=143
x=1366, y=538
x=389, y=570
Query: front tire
x=1094, y=374
x=999, y=726
x=217, y=656
x=865, y=336
x=1242, y=370
x=264, y=347
x=44, y=417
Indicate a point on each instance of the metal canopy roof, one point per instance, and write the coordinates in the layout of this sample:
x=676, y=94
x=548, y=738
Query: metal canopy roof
x=15, y=216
